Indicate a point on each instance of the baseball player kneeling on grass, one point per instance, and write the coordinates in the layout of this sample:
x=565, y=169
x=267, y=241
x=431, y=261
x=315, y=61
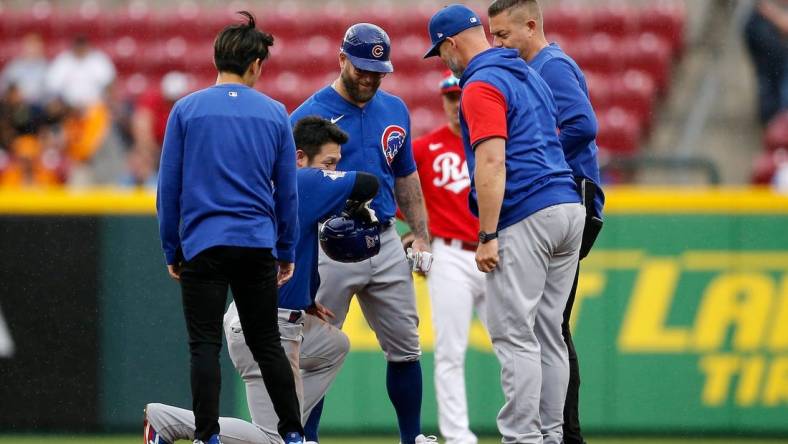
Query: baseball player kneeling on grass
x=530, y=218
x=379, y=127
x=316, y=349
x=456, y=285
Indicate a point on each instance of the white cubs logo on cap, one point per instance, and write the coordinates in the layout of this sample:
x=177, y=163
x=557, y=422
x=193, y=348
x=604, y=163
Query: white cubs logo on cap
x=377, y=51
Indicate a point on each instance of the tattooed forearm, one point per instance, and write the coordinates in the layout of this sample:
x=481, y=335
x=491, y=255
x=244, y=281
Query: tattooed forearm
x=407, y=191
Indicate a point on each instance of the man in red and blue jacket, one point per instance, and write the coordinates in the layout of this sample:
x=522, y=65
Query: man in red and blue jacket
x=530, y=218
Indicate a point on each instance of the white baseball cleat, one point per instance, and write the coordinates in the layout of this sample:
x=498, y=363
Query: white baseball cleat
x=421, y=439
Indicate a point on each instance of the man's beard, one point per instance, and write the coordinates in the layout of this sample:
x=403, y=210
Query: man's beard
x=355, y=92
x=455, y=68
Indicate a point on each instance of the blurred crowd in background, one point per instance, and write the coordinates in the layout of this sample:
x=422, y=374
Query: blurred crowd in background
x=85, y=92
x=63, y=122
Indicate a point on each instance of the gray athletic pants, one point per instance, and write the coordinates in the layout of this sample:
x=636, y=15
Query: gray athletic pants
x=527, y=294
x=316, y=351
x=383, y=285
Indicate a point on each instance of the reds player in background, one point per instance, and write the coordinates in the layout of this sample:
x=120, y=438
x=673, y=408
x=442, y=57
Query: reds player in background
x=456, y=285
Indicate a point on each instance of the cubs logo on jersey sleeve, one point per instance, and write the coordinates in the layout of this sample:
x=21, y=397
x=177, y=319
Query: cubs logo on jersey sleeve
x=392, y=141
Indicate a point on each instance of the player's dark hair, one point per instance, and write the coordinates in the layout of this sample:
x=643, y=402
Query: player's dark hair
x=312, y=132
x=238, y=45
x=499, y=6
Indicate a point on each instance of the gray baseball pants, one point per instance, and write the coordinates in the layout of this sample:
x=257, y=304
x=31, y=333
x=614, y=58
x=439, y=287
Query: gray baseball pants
x=384, y=287
x=527, y=294
x=316, y=351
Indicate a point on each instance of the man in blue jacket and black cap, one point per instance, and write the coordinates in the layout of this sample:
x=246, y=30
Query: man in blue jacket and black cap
x=530, y=217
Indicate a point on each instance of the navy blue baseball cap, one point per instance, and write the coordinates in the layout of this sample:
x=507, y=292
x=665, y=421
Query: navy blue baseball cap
x=449, y=22
x=368, y=47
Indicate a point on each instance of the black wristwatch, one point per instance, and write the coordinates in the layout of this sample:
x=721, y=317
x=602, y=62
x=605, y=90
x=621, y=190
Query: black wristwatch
x=487, y=237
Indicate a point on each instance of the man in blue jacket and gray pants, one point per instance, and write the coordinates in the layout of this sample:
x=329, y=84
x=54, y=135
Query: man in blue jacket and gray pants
x=519, y=24
x=530, y=218
x=228, y=210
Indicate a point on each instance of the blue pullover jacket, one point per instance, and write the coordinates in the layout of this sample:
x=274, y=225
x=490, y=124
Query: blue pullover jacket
x=227, y=175
x=576, y=119
x=537, y=176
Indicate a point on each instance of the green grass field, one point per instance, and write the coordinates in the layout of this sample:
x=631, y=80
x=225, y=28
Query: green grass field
x=115, y=439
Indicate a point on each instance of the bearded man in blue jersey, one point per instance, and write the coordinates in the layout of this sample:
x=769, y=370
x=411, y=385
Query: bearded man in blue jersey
x=380, y=144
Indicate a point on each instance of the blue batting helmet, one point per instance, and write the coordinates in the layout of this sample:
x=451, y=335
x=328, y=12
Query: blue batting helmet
x=368, y=47
x=345, y=239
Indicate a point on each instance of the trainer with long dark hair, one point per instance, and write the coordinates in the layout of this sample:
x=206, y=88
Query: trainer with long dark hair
x=227, y=207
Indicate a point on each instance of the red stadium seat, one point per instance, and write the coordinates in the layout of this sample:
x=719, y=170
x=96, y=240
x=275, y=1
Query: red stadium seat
x=136, y=22
x=635, y=92
x=87, y=21
x=38, y=19
x=568, y=20
x=617, y=19
x=599, y=90
x=651, y=54
x=600, y=53
x=665, y=18
x=776, y=136
x=125, y=52
x=619, y=131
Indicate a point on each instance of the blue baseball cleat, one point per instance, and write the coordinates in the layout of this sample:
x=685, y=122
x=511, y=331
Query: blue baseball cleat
x=294, y=438
x=213, y=440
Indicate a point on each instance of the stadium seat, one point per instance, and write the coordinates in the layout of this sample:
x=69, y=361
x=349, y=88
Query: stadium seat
x=91, y=22
x=635, y=92
x=134, y=21
x=618, y=19
x=599, y=90
x=619, y=131
x=124, y=51
x=566, y=19
x=647, y=52
x=38, y=19
x=665, y=18
x=600, y=53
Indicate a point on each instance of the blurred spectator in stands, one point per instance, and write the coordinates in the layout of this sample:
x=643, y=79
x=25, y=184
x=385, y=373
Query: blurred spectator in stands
x=80, y=75
x=766, y=33
x=28, y=71
x=153, y=109
x=27, y=158
x=17, y=116
x=141, y=169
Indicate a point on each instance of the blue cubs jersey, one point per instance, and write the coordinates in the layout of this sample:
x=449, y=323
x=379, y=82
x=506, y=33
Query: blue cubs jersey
x=379, y=139
x=321, y=194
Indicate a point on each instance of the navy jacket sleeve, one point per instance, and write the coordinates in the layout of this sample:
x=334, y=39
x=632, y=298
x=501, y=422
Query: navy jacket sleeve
x=168, y=197
x=286, y=194
x=576, y=118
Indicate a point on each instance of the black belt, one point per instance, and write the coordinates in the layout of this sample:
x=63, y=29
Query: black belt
x=386, y=225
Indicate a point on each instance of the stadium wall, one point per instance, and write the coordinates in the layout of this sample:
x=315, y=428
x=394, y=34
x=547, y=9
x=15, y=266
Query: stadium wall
x=681, y=320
